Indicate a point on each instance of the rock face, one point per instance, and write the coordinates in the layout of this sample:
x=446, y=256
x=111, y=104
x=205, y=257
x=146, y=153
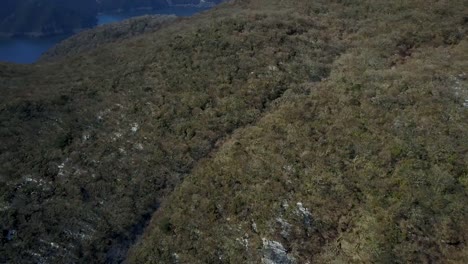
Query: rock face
x=275, y=253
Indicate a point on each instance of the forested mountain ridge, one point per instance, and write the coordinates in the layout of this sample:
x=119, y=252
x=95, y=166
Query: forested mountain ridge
x=260, y=131
x=38, y=18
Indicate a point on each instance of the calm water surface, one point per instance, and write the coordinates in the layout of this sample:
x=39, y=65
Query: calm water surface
x=28, y=50
x=106, y=18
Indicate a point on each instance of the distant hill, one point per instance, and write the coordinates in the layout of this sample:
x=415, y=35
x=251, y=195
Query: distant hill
x=106, y=5
x=39, y=18
x=109, y=33
x=46, y=17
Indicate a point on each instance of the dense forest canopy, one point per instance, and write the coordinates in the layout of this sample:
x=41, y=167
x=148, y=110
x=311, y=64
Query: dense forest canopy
x=261, y=131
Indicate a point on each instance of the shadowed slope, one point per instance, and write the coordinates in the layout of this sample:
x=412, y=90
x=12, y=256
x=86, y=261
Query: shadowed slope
x=91, y=143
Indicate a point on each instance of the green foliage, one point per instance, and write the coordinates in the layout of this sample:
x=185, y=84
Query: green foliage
x=370, y=151
x=337, y=128
x=165, y=225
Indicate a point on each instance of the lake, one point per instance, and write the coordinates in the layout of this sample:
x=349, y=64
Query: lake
x=28, y=50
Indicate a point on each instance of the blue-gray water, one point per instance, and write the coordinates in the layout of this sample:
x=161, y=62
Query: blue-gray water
x=28, y=50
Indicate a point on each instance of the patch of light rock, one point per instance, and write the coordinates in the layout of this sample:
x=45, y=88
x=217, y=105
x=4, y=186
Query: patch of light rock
x=275, y=253
x=134, y=128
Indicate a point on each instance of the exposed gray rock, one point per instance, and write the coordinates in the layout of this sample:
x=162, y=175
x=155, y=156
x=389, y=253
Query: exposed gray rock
x=10, y=234
x=307, y=216
x=275, y=253
x=285, y=227
x=254, y=227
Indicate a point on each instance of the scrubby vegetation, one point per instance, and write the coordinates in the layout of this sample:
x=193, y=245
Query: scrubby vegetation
x=285, y=131
x=367, y=166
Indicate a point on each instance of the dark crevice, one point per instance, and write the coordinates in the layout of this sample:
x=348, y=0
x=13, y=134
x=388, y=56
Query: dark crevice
x=119, y=250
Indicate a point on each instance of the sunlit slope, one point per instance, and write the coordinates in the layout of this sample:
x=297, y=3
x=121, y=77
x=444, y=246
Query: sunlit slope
x=91, y=144
x=366, y=166
x=291, y=131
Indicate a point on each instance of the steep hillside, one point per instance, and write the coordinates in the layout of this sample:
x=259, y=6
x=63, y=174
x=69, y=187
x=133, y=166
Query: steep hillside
x=261, y=131
x=92, y=143
x=369, y=165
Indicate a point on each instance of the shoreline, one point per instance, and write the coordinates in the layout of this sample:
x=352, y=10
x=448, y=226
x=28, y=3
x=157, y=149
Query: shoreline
x=39, y=35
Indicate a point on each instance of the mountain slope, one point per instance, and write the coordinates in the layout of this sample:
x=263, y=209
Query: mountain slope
x=91, y=144
x=282, y=131
x=367, y=166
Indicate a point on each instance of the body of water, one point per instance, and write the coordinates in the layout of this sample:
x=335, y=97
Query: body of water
x=111, y=17
x=28, y=50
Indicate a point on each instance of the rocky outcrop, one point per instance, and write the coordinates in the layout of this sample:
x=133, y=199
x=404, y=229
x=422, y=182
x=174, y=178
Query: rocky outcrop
x=275, y=253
